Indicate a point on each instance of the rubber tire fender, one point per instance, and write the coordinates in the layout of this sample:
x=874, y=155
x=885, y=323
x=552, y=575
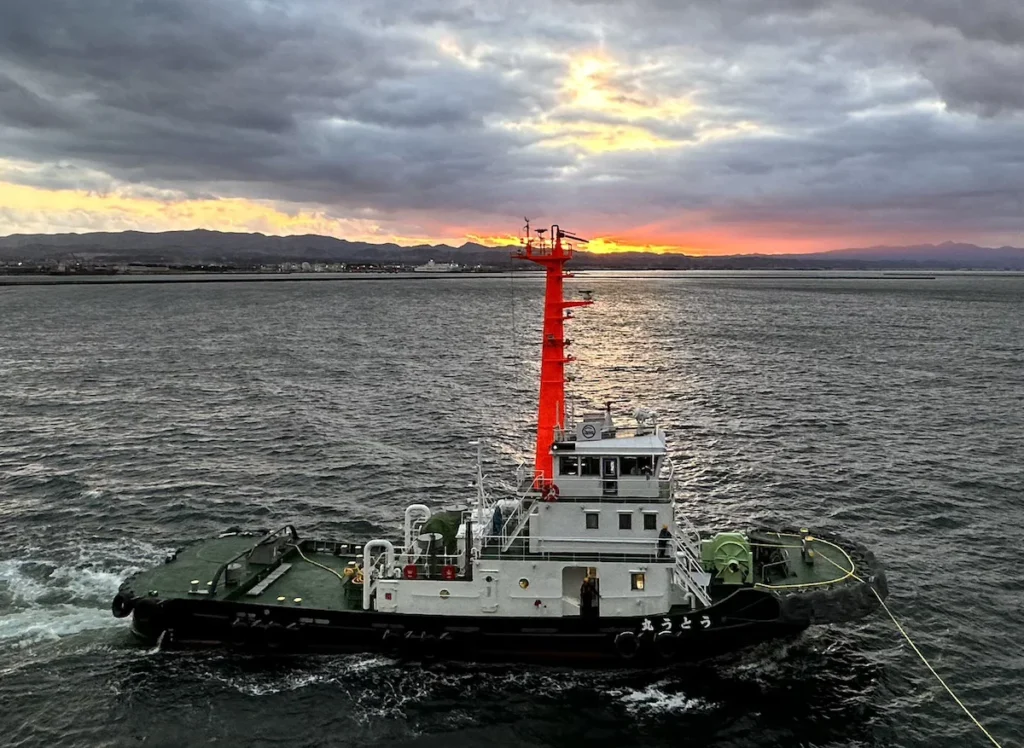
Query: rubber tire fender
x=666, y=643
x=626, y=644
x=122, y=605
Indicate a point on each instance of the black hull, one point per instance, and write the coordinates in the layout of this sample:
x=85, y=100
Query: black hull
x=743, y=619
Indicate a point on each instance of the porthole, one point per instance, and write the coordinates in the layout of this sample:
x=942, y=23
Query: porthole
x=524, y=583
x=444, y=594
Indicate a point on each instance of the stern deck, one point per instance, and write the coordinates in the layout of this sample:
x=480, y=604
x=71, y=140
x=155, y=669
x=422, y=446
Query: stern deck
x=312, y=576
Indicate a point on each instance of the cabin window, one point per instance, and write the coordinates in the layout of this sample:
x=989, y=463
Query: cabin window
x=590, y=465
x=650, y=521
x=636, y=580
x=625, y=521
x=569, y=465
x=592, y=521
x=643, y=465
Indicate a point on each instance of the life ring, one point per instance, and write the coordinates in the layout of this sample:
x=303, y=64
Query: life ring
x=626, y=644
x=121, y=606
x=549, y=492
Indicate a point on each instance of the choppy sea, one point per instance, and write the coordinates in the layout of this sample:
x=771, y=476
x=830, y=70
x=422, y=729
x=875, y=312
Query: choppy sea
x=136, y=417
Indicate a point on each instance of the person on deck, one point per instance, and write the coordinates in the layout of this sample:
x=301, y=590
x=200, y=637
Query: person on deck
x=588, y=598
x=663, y=538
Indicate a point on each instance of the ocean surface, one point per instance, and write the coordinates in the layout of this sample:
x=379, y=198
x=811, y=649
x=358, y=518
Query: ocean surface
x=134, y=418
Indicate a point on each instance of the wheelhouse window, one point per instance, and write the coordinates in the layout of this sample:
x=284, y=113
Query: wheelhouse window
x=637, y=580
x=650, y=521
x=625, y=521
x=592, y=520
x=590, y=465
x=569, y=465
x=638, y=465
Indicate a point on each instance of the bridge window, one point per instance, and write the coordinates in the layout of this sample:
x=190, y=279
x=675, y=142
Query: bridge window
x=625, y=521
x=590, y=465
x=650, y=521
x=592, y=520
x=569, y=465
x=642, y=465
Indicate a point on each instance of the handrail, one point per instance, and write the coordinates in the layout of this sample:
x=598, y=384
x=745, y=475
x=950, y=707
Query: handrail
x=525, y=555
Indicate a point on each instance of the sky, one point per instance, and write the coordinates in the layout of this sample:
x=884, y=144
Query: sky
x=703, y=127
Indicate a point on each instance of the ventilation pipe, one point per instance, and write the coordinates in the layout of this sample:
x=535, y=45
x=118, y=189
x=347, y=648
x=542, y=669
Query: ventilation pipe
x=409, y=512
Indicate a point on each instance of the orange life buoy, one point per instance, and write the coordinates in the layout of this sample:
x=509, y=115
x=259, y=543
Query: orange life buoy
x=409, y=572
x=549, y=492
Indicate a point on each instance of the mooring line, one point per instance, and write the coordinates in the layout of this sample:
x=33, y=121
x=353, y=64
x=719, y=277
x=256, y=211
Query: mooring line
x=921, y=655
x=315, y=563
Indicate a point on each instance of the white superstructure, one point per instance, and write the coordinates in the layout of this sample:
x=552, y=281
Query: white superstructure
x=526, y=553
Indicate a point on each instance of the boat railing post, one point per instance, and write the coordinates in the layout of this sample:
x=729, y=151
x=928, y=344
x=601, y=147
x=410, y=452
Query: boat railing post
x=370, y=565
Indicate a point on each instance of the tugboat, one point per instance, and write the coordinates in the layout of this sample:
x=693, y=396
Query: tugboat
x=588, y=558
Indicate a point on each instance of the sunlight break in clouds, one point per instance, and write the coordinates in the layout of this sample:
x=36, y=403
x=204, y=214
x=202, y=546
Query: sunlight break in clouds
x=675, y=125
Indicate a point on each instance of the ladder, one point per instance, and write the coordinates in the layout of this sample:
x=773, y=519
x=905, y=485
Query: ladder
x=687, y=571
x=524, y=513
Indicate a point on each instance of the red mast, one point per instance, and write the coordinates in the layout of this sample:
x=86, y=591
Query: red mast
x=552, y=255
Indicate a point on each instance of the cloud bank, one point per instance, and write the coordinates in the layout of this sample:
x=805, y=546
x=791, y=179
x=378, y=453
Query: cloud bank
x=710, y=127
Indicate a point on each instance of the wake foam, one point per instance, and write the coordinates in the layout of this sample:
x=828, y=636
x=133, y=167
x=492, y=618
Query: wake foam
x=655, y=700
x=51, y=623
x=47, y=597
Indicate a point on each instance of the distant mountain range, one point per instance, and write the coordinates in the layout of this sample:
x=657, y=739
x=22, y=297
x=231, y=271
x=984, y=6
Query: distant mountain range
x=202, y=246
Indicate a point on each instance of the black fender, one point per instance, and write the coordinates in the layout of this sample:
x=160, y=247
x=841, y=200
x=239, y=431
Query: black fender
x=122, y=605
x=626, y=644
x=150, y=617
x=391, y=640
x=666, y=643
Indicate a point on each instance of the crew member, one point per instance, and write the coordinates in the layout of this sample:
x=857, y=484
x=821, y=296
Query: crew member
x=588, y=598
x=663, y=538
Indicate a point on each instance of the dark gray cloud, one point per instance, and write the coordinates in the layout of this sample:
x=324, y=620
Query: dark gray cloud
x=852, y=114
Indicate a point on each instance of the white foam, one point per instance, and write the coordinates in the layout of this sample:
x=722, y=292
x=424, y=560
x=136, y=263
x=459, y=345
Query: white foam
x=22, y=587
x=50, y=623
x=90, y=584
x=653, y=700
x=84, y=586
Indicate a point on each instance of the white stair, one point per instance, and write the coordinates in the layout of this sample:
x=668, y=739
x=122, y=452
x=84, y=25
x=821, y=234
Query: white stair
x=688, y=571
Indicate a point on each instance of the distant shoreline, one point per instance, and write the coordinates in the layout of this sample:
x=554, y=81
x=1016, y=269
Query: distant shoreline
x=101, y=280
x=28, y=279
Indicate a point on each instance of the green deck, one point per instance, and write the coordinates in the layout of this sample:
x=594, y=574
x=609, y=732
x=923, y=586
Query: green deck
x=831, y=565
x=317, y=587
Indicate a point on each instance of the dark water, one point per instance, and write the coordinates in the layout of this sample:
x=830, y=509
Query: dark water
x=135, y=418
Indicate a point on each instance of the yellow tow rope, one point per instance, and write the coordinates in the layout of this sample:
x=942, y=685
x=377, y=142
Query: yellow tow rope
x=918, y=651
x=325, y=568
